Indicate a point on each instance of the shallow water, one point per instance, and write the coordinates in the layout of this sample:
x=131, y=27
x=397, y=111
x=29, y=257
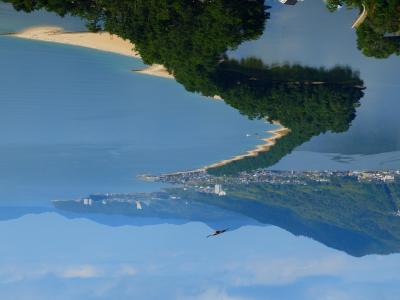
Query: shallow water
x=308, y=34
x=12, y=21
x=82, y=122
x=75, y=121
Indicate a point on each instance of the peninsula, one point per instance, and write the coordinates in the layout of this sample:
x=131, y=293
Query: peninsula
x=268, y=143
x=102, y=41
x=105, y=41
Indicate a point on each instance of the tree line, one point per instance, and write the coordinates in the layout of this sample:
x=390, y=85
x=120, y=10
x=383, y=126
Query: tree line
x=192, y=38
x=378, y=36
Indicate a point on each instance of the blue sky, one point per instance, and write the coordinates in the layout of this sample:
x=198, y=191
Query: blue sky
x=46, y=256
x=43, y=254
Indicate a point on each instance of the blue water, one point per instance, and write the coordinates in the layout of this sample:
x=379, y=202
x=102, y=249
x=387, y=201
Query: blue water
x=10, y=21
x=74, y=121
x=308, y=34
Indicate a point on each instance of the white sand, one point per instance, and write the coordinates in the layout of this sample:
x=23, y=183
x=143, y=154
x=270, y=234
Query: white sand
x=268, y=143
x=156, y=70
x=102, y=41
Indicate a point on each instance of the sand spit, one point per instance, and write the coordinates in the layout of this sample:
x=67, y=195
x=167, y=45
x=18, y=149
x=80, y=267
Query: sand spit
x=156, y=70
x=102, y=41
x=107, y=42
x=269, y=142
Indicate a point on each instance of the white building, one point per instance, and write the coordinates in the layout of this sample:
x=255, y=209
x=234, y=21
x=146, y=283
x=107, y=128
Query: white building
x=388, y=178
x=138, y=205
x=219, y=191
x=87, y=201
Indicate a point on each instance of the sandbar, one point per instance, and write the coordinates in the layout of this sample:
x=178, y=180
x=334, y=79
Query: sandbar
x=102, y=41
x=108, y=42
x=268, y=143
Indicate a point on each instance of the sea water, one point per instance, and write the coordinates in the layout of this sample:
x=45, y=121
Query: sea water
x=76, y=121
x=291, y=36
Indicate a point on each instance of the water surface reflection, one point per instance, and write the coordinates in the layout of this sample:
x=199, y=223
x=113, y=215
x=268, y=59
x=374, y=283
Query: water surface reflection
x=292, y=235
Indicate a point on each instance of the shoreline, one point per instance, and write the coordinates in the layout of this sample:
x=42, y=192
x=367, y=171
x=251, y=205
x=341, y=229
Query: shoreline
x=102, y=41
x=269, y=142
x=155, y=70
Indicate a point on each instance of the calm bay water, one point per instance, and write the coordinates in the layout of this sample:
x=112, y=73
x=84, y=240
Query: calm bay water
x=75, y=121
x=308, y=34
x=12, y=21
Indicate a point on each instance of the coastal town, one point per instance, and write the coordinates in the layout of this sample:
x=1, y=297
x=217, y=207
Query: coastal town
x=203, y=183
x=202, y=178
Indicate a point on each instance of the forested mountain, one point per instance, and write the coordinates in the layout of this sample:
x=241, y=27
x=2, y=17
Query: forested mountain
x=356, y=217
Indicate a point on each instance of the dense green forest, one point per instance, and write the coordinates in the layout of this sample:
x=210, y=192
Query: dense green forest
x=308, y=101
x=185, y=36
x=356, y=217
x=359, y=218
x=164, y=31
x=378, y=35
x=191, y=39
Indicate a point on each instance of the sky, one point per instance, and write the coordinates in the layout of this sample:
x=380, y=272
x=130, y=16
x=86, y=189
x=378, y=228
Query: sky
x=43, y=254
x=47, y=256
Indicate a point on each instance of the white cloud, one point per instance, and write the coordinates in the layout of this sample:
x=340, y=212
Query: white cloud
x=126, y=270
x=15, y=273
x=85, y=271
x=211, y=293
x=284, y=271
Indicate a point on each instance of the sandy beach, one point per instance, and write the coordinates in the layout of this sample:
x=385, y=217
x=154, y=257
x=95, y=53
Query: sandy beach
x=102, y=41
x=156, y=70
x=269, y=142
x=107, y=42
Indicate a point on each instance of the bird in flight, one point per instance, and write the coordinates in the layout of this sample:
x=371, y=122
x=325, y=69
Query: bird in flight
x=217, y=232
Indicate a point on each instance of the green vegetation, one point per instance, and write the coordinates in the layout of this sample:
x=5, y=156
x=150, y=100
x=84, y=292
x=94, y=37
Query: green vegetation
x=378, y=35
x=191, y=39
x=308, y=101
x=355, y=217
x=185, y=36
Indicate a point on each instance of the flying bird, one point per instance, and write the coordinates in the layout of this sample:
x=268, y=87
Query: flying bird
x=218, y=232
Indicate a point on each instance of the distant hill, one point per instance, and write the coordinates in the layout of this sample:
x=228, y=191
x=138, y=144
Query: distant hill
x=358, y=218
x=10, y=213
x=154, y=211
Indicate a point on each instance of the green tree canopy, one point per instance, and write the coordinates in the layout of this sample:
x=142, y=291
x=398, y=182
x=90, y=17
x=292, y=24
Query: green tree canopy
x=378, y=36
x=191, y=39
x=355, y=217
x=308, y=101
